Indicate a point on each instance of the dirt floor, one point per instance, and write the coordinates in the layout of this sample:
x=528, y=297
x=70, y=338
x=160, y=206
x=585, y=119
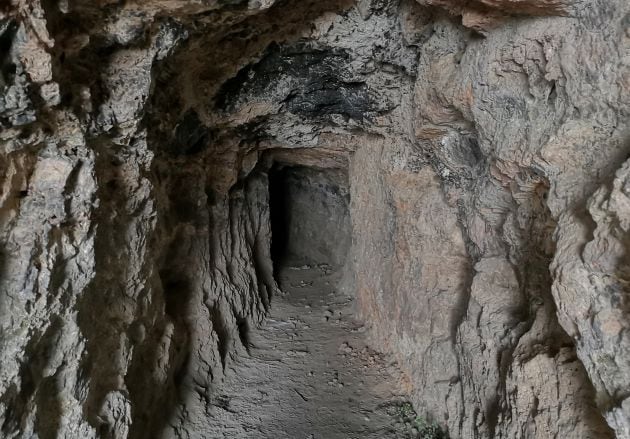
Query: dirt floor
x=309, y=373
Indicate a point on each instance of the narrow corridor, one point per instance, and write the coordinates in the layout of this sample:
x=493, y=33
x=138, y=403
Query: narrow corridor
x=309, y=374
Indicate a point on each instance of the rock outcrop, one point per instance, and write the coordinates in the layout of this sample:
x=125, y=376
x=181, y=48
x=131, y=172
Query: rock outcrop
x=487, y=149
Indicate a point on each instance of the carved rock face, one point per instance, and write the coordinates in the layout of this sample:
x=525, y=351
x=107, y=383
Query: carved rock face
x=486, y=151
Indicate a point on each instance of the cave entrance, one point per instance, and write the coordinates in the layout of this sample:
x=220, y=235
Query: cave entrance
x=310, y=217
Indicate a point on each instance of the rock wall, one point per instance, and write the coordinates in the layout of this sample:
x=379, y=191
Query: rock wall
x=129, y=275
x=533, y=93
x=487, y=150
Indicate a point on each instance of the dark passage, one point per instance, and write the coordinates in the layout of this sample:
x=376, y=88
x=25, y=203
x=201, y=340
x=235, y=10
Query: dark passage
x=310, y=218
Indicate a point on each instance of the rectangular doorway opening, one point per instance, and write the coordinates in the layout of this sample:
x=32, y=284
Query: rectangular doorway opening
x=310, y=216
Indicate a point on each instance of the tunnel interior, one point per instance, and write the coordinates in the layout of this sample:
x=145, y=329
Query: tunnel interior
x=310, y=217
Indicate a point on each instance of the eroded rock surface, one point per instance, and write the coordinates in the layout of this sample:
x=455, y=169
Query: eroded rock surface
x=486, y=145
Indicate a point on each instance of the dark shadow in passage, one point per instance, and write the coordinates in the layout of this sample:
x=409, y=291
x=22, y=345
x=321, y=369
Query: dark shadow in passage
x=279, y=215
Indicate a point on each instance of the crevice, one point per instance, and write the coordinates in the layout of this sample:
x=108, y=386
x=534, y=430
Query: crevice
x=243, y=332
x=223, y=334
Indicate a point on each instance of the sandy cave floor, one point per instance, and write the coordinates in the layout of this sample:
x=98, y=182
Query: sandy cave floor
x=309, y=373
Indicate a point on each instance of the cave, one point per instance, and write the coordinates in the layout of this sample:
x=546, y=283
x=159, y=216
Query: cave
x=314, y=219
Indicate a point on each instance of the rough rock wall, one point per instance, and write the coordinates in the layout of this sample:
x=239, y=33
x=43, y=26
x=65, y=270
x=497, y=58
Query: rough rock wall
x=546, y=102
x=478, y=335
x=489, y=176
x=129, y=276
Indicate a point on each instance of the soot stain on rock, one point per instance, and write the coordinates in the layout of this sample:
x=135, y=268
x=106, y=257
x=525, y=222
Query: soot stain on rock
x=191, y=135
x=316, y=83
